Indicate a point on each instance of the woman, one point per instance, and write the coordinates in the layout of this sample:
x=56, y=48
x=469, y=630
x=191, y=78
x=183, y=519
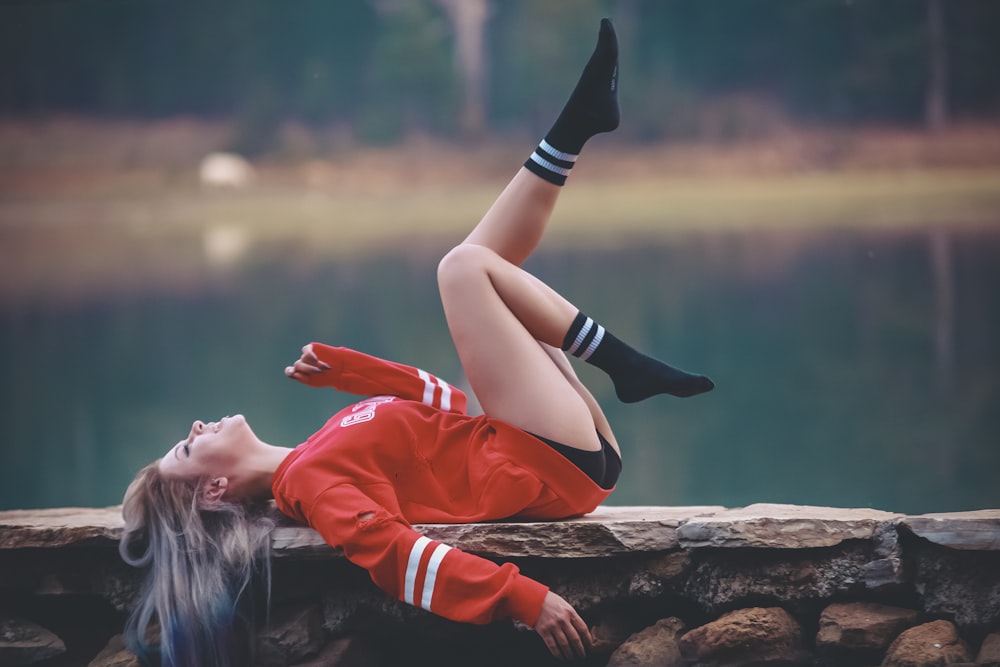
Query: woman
x=543, y=448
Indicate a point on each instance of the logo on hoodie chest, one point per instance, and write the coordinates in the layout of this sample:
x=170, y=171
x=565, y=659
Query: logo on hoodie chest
x=365, y=411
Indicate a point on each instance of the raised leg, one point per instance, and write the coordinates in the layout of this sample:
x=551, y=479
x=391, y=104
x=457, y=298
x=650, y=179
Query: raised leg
x=498, y=314
x=514, y=224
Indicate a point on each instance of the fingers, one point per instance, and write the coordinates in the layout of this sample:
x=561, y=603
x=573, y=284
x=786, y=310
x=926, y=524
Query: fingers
x=565, y=634
x=584, y=639
x=563, y=641
x=306, y=366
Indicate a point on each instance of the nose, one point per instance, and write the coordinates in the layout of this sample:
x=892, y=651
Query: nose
x=197, y=427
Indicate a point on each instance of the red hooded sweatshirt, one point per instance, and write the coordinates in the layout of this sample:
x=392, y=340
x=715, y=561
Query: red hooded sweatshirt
x=411, y=454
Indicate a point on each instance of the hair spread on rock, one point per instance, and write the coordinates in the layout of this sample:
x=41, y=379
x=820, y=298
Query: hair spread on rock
x=204, y=560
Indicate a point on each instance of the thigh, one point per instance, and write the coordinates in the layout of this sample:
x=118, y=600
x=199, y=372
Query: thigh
x=513, y=377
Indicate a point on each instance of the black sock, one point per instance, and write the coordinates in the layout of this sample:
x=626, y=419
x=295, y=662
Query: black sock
x=635, y=375
x=592, y=108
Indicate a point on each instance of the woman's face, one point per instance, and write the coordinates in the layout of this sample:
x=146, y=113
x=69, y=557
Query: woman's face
x=209, y=450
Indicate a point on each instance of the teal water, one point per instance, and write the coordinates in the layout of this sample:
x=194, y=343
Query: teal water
x=853, y=369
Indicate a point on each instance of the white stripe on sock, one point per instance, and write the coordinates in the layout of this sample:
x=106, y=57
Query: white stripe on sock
x=556, y=153
x=593, y=344
x=554, y=168
x=580, y=336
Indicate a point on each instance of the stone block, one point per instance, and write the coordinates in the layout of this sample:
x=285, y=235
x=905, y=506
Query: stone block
x=774, y=526
x=862, y=628
x=656, y=645
x=25, y=643
x=976, y=531
x=756, y=635
x=928, y=645
x=989, y=651
x=114, y=654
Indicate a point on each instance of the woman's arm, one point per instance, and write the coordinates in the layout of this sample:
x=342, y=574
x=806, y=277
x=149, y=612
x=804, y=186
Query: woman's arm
x=420, y=571
x=354, y=372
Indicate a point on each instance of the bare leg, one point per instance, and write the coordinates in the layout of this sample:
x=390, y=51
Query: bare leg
x=515, y=222
x=497, y=314
x=600, y=420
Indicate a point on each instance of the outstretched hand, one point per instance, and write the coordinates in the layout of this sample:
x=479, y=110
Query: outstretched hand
x=306, y=367
x=562, y=629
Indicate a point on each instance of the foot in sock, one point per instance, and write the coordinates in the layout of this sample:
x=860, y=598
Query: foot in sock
x=593, y=105
x=644, y=377
x=636, y=376
x=592, y=108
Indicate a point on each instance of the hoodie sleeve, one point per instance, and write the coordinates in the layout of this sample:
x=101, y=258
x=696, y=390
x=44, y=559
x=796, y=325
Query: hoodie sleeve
x=420, y=571
x=364, y=375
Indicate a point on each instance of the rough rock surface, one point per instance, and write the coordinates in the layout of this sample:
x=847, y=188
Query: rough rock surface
x=115, y=654
x=636, y=564
x=782, y=527
x=293, y=634
x=866, y=628
x=24, y=643
x=59, y=527
x=722, y=579
x=978, y=531
x=656, y=645
x=605, y=532
x=745, y=636
x=928, y=645
x=963, y=585
x=989, y=650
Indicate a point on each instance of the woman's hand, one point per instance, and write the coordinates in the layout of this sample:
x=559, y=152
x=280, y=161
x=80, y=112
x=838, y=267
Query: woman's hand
x=307, y=366
x=562, y=629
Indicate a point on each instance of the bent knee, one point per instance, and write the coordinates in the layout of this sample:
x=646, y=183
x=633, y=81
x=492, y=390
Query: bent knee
x=464, y=262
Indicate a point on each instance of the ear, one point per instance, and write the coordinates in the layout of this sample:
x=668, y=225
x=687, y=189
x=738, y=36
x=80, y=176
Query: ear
x=215, y=489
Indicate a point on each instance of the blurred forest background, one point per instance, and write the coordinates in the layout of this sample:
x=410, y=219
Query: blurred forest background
x=803, y=202
x=462, y=69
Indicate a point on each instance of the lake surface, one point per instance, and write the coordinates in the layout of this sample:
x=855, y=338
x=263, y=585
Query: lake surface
x=852, y=369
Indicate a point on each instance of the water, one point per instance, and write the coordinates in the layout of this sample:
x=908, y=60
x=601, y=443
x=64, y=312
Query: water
x=853, y=369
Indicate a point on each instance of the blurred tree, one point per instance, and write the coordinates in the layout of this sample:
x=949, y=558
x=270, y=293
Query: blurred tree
x=410, y=86
x=937, y=78
x=468, y=21
x=385, y=68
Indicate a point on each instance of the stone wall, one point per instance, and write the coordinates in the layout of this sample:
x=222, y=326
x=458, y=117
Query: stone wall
x=764, y=584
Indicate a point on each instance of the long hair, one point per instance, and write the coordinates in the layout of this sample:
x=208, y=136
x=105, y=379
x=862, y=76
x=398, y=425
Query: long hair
x=202, y=559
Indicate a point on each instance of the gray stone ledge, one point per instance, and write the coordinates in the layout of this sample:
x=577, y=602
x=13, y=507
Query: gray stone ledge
x=608, y=531
x=976, y=531
x=783, y=526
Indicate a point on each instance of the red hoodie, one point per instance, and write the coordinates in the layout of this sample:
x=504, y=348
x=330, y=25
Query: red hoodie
x=411, y=454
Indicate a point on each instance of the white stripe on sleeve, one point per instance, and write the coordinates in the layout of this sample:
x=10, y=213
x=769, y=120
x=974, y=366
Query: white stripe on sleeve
x=428, y=387
x=445, y=395
x=412, y=567
x=432, y=570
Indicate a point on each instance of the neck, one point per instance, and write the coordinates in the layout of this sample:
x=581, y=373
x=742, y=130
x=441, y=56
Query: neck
x=257, y=472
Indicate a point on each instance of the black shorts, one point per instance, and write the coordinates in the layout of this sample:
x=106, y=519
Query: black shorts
x=603, y=466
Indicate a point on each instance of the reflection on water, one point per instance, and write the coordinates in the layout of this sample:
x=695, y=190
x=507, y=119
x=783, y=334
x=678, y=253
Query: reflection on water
x=852, y=369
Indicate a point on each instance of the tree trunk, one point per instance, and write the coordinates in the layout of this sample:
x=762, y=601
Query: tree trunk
x=936, y=105
x=468, y=19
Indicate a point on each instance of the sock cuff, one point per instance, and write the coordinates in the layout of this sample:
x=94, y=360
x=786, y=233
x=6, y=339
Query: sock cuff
x=584, y=337
x=550, y=163
x=578, y=322
x=556, y=154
